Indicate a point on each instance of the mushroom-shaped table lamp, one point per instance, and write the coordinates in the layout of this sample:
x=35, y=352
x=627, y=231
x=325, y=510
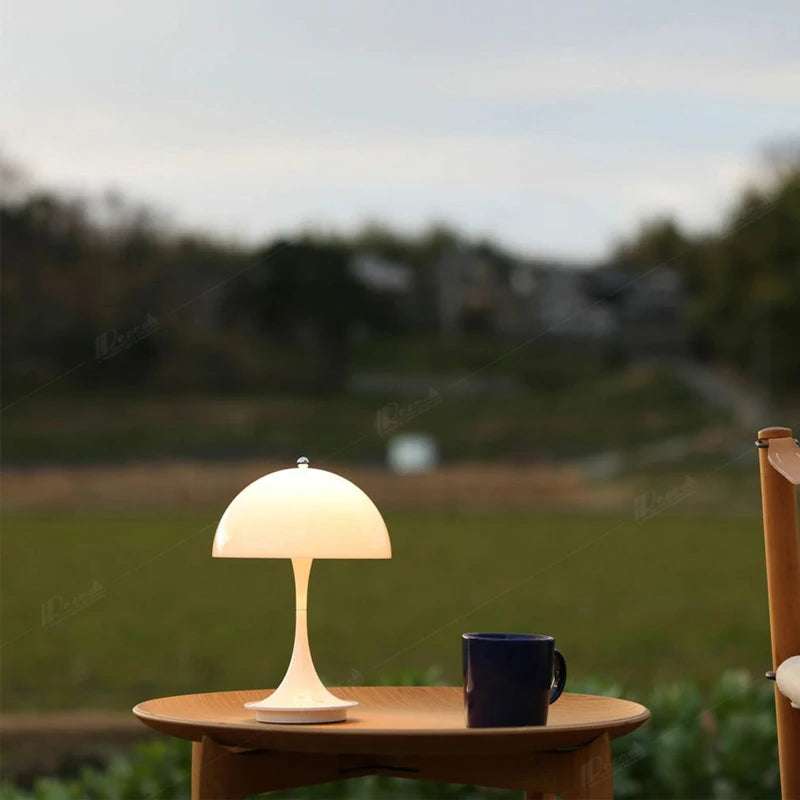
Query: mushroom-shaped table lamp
x=302, y=514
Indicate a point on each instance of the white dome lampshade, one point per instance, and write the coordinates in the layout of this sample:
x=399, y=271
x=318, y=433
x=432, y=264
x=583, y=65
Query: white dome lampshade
x=302, y=514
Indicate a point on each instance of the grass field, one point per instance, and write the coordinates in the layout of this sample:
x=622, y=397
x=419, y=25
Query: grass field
x=669, y=597
x=555, y=420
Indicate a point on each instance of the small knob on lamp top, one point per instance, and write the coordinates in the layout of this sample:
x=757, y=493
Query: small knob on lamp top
x=302, y=462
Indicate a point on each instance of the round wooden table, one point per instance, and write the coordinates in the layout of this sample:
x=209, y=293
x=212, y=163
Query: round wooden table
x=407, y=731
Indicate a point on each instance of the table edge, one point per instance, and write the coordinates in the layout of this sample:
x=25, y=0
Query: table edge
x=629, y=723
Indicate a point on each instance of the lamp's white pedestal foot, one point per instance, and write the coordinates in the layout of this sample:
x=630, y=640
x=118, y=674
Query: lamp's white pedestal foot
x=333, y=712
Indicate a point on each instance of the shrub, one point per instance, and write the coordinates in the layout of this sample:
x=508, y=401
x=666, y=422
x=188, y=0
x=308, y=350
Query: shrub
x=723, y=746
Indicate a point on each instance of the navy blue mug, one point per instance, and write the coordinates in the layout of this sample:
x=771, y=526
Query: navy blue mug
x=510, y=679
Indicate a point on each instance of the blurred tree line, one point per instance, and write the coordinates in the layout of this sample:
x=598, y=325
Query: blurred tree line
x=104, y=295
x=743, y=280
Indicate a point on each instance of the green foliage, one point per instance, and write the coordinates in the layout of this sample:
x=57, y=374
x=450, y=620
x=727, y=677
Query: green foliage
x=237, y=318
x=78, y=271
x=724, y=746
x=721, y=746
x=670, y=757
x=658, y=242
x=569, y=407
x=746, y=749
x=303, y=296
x=743, y=280
x=159, y=769
x=752, y=282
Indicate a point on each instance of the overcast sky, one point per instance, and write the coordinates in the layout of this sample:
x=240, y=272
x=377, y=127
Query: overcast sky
x=553, y=126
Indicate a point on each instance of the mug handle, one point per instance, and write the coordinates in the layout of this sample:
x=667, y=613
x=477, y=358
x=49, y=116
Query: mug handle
x=559, y=676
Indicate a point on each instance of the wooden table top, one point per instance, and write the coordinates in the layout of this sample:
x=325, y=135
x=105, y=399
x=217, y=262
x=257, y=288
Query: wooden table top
x=389, y=719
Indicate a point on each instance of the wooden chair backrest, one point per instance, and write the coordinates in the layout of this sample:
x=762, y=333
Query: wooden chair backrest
x=779, y=464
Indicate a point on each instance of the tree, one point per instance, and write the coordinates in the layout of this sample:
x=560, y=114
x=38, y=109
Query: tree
x=659, y=242
x=743, y=281
x=304, y=297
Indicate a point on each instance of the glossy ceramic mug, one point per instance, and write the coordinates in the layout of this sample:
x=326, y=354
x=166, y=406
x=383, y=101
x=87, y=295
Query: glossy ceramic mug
x=510, y=679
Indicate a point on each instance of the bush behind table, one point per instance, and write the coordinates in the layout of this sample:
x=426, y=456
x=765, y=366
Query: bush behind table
x=721, y=745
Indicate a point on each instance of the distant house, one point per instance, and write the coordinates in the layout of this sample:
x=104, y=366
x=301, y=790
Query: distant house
x=469, y=293
x=393, y=291
x=643, y=315
x=564, y=307
x=380, y=275
x=466, y=292
x=649, y=308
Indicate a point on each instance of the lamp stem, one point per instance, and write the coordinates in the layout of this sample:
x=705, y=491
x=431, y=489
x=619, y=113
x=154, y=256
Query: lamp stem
x=301, y=675
x=302, y=571
x=301, y=696
x=301, y=685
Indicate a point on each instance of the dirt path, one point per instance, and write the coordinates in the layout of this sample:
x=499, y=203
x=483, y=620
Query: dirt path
x=37, y=744
x=201, y=484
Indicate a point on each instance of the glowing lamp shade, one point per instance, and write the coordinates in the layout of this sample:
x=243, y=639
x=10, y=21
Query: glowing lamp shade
x=301, y=514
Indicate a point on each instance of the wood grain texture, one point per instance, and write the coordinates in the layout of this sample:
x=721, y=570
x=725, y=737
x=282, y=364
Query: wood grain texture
x=390, y=720
x=779, y=504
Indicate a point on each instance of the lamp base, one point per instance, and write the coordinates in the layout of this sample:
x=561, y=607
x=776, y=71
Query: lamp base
x=332, y=712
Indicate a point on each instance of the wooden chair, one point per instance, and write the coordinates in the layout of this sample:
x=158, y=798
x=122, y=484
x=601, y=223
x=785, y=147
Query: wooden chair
x=779, y=464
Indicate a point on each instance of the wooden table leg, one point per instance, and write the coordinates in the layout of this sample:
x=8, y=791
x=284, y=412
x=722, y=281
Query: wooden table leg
x=210, y=774
x=218, y=774
x=594, y=778
x=225, y=773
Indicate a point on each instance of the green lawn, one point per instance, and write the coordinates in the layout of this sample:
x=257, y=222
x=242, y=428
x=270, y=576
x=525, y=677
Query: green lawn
x=636, y=601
